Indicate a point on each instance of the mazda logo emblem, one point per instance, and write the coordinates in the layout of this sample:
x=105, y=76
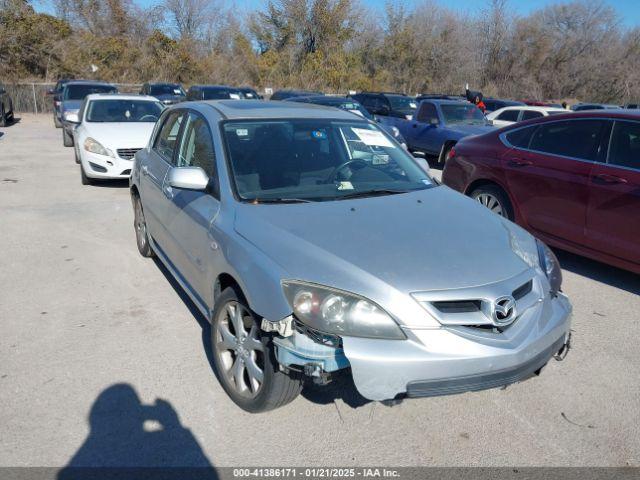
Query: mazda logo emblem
x=504, y=310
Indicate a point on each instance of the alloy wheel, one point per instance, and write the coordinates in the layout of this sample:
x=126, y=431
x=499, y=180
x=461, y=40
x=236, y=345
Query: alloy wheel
x=239, y=349
x=492, y=203
x=141, y=226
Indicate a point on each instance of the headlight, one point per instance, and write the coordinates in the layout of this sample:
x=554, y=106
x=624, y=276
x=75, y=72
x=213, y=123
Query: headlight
x=93, y=146
x=550, y=266
x=340, y=313
x=523, y=244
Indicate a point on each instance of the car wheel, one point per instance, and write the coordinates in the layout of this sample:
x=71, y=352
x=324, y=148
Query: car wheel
x=3, y=117
x=67, y=140
x=244, y=359
x=444, y=154
x=495, y=199
x=75, y=153
x=56, y=121
x=83, y=177
x=140, y=225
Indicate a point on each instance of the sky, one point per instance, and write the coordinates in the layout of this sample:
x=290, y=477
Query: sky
x=628, y=10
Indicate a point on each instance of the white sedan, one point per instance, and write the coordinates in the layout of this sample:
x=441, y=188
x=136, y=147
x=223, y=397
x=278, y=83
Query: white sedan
x=110, y=129
x=510, y=115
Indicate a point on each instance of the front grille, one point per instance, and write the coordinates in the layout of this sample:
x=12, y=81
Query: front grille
x=127, y=153
x=523, y=290
x=458, y=306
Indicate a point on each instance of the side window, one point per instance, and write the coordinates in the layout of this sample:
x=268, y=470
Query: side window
x=521, y=137
x=196, y=148
x=529, y=114
x=578, y=139
x=427, y=112
x=625, y=145
x=165, y=142
x=509, y=115
x=369, y=102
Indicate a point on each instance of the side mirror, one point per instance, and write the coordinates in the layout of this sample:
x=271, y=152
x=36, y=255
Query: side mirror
x=422, y=161
x=188, y=178
x=71, y=117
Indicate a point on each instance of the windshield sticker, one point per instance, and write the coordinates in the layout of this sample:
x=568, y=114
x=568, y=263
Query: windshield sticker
x=345, y=186
x=177, y=91
x=242, y=132
x=234, y=96
x=372, y=137
x=357, y=112
x=380, y=160
x=319, y=134
x=413, y=105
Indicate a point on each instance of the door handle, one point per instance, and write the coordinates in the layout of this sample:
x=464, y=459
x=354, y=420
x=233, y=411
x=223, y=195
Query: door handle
x=517, y=162
x=606, y=178
x=145, y=170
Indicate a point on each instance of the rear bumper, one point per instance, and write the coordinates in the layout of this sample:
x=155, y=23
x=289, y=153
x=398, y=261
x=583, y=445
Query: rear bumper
x=444, y=361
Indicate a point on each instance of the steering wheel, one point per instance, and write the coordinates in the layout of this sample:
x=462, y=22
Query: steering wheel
x=148, y=117
x=334, y=173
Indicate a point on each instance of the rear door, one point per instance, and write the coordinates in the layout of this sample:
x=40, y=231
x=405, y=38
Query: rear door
x=191, y=214
x=548, y=174
x=153, y=170
x=613, y=215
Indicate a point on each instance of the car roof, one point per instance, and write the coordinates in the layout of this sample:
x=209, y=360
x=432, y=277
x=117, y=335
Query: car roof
x=442, y=101
x=260, y=109
x=163, y=83
x=325, y=99
x=120, y=96
x=88, y=82
x=215, y=87
x=620, y=113
x=532, y=108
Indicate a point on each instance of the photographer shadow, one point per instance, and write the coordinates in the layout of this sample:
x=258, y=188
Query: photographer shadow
x=128, y=436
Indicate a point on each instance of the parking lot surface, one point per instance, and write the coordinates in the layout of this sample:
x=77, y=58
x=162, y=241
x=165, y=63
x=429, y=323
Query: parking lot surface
x=104, y=361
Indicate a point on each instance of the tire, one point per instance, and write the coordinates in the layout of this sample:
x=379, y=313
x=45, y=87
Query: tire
x=244, y=358
x=83, y=177
x=444, y=153
x=75, y=154
x=140, y=227
x=56, y=121
x=3, y=117
x=67, y=140
x=495, y=199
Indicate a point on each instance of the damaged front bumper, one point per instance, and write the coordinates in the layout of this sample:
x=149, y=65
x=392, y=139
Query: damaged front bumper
x=438, y=361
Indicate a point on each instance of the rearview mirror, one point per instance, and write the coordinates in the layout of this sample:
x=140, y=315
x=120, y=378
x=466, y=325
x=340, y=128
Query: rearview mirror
x=188, y=178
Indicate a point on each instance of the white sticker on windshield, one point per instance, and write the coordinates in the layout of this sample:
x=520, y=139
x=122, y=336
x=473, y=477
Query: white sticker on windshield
x=357, y=112
x=413, y=105
x=372, y=137
x=177, y=91
x=345, y=186
x=234, y=96
x=242, y=132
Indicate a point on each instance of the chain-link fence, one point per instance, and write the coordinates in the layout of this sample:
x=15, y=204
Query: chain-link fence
x=34, y=97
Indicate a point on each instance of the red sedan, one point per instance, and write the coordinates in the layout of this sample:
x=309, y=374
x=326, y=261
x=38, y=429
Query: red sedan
x=572, y=180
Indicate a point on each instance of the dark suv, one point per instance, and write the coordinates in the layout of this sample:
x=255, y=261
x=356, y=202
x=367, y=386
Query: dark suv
x=167, y=93
x=56, y=93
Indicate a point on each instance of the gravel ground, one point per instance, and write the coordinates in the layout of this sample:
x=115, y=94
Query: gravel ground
x=102, y=359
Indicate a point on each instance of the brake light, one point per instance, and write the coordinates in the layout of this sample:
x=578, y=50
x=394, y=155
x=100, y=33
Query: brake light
x=452, y=153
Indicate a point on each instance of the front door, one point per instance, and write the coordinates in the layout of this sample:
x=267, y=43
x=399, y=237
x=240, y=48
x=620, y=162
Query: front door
x=613, y=215
x=549, y=178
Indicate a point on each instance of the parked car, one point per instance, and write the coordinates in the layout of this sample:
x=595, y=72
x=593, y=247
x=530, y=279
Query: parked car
x=387, y=104
x=73, y=94
x=213, y=92
x=110, y=129
x=285, y=94
x=510, y=115
x=538, y=103
x=6, y=107
x=579, y=107
x=296, y=232
x=632, y=106
x=352, y=106
x=439, y=96
x=167, y=93
x=440, y=124
x=493, y=104
x=250, y=93
x=572, y=180
x=56, y=94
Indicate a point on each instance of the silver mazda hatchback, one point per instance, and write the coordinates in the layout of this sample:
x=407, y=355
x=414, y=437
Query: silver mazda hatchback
x=314, y=243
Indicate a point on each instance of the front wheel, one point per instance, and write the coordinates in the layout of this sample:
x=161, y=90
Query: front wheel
x=495, y=199
x=244, y=359
x=140, y=224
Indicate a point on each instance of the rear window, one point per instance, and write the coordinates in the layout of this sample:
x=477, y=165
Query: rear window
x=78, y=92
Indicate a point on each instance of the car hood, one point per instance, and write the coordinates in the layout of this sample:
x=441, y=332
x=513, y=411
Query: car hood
x=71, y=104
x=432, y=239
x=120, y=134
x=471, y=129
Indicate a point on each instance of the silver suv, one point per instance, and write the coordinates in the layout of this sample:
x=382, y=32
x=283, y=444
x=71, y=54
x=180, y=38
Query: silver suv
x=314, y=243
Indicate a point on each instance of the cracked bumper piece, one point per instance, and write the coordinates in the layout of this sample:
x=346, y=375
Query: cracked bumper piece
x=299, y=350
x=452, y=360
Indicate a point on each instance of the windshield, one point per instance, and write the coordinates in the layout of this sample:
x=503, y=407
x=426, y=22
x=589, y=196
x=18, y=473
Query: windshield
x=402, y=104
x=221, y=93
x=462, y=114
x=316, y=160
x=166, y=90
x=78, y=92
x=123, y=111
x=355, y=107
